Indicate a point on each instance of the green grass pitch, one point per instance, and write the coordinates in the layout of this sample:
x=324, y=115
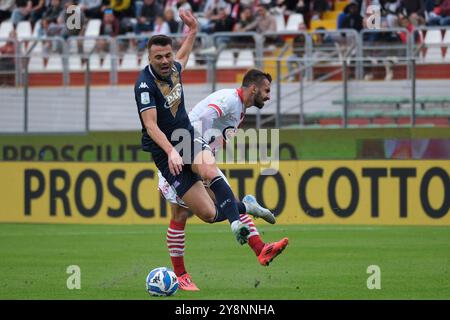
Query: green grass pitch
x=321, y=262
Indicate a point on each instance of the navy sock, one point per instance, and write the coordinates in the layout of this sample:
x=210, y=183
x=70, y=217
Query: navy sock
x=224, y=198
x=220, y=214
x=241, y=207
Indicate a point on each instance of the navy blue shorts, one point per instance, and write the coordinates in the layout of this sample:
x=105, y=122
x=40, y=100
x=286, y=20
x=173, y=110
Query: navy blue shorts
x=187, y=178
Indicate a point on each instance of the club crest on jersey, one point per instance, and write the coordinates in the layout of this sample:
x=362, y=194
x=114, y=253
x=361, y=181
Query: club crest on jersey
x=173, y=97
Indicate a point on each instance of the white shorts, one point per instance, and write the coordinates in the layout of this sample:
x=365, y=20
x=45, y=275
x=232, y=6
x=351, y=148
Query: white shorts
x=169, y=192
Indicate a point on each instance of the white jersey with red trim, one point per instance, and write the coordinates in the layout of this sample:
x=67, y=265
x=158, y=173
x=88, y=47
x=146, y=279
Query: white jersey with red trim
x=228, y=103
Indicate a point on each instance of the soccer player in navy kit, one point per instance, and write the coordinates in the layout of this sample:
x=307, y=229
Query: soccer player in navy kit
x=160, y=102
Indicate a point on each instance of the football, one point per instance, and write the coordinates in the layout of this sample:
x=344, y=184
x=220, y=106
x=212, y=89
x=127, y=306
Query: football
x=161, y=282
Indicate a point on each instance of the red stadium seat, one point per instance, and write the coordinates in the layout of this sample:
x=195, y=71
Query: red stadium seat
x=330, y=121
x=404, y=120
x=383, y=121
x=359, y=121
x=436, y=121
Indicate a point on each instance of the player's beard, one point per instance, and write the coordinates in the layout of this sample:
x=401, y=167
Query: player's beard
x=259, y=101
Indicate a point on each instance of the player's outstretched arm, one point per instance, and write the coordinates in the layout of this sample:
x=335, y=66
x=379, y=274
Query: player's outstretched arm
x=149, y=118
x=190, y=21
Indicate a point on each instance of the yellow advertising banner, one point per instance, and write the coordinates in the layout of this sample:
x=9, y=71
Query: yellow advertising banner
x=387, y=192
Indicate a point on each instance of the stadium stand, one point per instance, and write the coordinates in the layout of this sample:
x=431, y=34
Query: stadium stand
x=433, y=43
x=124, y=56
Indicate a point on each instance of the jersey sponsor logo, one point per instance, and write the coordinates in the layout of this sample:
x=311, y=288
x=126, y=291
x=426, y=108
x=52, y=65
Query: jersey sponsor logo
x=143, y=85
x=173, y=96
x=145, y=98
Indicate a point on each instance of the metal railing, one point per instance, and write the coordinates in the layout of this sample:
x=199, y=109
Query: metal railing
x=346, y=53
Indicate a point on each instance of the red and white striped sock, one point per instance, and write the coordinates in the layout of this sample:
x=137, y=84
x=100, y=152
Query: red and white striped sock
x=254, y=240
x=175, y=244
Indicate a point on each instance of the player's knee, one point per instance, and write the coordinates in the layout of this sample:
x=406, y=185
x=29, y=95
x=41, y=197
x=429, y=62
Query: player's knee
x=207, y=214
x=209, y=173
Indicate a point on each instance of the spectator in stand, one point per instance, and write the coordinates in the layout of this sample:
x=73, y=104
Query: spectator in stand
x=264, y=22
x=170, y=19
x=224, y=22
x=28, y=10
x=211, y=13
x=245, y=18
x=119, y=7
x=299, y=6
x=235, y=8
x=161, y=26
x=318, y=8
x=7, y=52
x=353, y=19
x=413, y=9
x=278, y=7
x=342, y=16
x=196, y=5
x=440, y=15
x=180, y=5
x=150, y=10
x=50, y=28
x=298, y=51
x=390, y=10
x=109, y=27
x=53, y=11
x=91, y=8
x=6, y=7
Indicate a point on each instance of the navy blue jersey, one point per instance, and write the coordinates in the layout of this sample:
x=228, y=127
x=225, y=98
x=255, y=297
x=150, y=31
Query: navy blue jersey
x=166, y=95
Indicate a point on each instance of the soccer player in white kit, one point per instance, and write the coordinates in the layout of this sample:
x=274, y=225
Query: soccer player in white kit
x=213, y=117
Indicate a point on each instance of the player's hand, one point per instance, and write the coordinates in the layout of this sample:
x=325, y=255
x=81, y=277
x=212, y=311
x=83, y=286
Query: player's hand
x=175, y=162
x=189, y=20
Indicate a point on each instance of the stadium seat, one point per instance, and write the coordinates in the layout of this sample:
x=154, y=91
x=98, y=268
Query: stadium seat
x=75, y=63
x=54, y=63
x=446, y=44
x=404, y=120
x=225, y=59
x=293, y=21
x=106, y=62
x=92, y=30
x=36, y=64
x=37, y=27
x=23, y=30
x=144, y=61
x=327, y=24
x=383, y=120
x=5, y=29
x=433, y=42
x=436, y=121
x=281, y=25
x=191, y=61
x=359, y=121
x=245, y=59
x=330, y=121
x=94, y=62
x=129, y=62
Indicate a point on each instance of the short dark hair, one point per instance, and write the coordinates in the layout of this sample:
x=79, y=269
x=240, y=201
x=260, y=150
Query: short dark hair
x=159, y=40
x=255, y=76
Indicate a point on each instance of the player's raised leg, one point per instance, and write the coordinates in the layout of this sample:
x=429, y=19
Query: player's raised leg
x=205, y=166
